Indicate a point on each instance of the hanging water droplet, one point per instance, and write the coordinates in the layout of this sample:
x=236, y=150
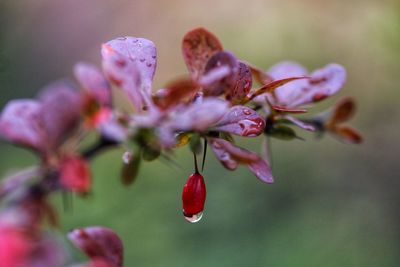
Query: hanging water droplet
x=194, y=218
x=127, y=157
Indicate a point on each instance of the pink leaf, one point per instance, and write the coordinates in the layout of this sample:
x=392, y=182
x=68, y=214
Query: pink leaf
x=60, y=112
x=20, y=123
x=125, y=74
x=243, y=121
x=142, y=52
x=93, y=81
x=99, y=243
x=198, y=46
x=199, y=116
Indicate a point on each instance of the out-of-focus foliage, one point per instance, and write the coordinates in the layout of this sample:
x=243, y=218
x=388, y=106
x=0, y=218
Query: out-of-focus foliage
x=331, y=204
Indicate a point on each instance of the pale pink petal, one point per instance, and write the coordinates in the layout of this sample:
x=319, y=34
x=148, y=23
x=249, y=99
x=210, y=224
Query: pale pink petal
x=60, y=112
x=92, y=80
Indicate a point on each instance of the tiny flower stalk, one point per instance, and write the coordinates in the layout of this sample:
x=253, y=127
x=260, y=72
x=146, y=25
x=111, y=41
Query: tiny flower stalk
x=194, y=196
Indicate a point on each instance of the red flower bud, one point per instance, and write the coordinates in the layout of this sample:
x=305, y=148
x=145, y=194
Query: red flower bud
x=193, y=197
x=75, y=174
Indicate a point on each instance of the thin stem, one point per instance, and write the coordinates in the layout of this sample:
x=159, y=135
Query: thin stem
x=204, y=154
x=98, y=147
x=196, y=168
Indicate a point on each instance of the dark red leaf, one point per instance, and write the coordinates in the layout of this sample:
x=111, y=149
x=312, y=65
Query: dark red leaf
x=242, y=85
x=243, y=121
x=348, y=134
x=220, y=74
x=177, y=92
x=99, y=243
x=343, y=111
x=260, y=75
x=289, y=110
x=198, y=46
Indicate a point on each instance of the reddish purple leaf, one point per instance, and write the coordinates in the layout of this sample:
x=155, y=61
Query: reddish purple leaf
x=198, y=46
x=289, y=110
x=94, y=82
x=230, y=155
x=322, y=83
x=99, y=243
x=242, y=85
x=175, y=93
x=223, y=156
x=262, y=170
x=61, y=112
x=243, y=121
x=20, y=123
x=198, y=116
x=220, y=74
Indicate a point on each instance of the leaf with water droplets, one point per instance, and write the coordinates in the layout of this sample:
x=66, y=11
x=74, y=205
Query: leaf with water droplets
x=141, y=51
x=220, y=74
x=243, y=121
x=20, y=123
x=99, y=242
x=177, y=92
x=242, y=86
x=124, y=73
x=198, y=46
x=94, y=82
x=222, y=155
x=230, y=155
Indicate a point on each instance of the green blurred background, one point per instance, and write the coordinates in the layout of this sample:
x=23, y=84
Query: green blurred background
x=331, y=205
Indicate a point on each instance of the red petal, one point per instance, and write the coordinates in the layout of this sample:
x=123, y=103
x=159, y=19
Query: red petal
x=198, y=46
x=99, y=243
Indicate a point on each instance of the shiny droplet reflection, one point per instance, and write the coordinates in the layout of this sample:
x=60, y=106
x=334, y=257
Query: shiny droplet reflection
x=193, y=218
